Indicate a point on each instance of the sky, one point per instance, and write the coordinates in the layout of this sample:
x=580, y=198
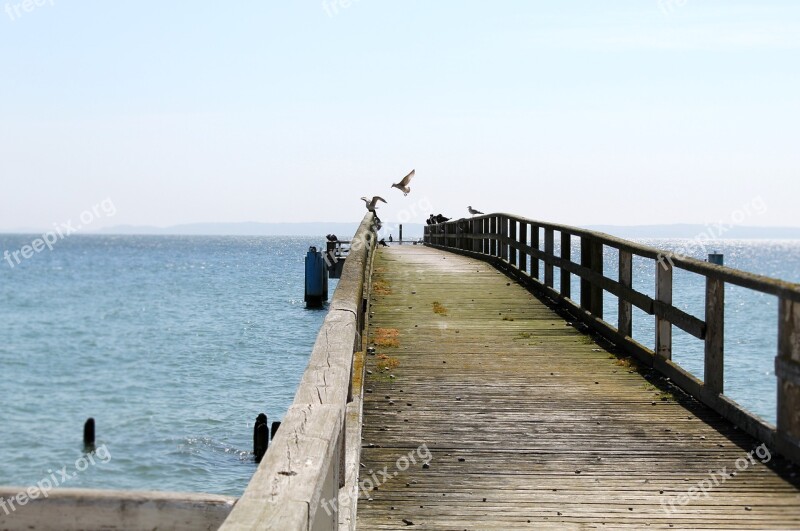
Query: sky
x=580, y=112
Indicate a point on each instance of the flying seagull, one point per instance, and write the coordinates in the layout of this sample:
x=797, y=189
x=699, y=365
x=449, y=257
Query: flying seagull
x=403, y=185
x=371, y=204
x=473, y=211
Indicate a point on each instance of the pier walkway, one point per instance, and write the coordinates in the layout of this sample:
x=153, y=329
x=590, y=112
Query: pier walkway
x=484, y=408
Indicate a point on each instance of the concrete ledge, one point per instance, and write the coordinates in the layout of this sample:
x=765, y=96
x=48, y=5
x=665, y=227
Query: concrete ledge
x=83, y=509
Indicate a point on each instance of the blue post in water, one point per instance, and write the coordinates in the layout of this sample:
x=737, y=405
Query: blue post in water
x=316, y=279
x=716, y=258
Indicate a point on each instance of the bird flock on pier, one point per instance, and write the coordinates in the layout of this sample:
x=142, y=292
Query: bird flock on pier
x=372, y=203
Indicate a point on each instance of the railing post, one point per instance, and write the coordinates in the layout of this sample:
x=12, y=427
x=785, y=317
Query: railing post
x=535, y=245
x=625, y=309
x=586, y=285
x=480, y=228
x=549, y=249
x=512, y=247
x=664, y=294
x=566, y=253
x=503, y=236
x=787, y=369
x=597, y=289
x=523, y=257
x=715, y=335
x=591, y=293
x=492, y=237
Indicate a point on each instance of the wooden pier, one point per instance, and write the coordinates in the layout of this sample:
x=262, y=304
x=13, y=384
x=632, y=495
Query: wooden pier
x=532, y=424
x=463, y=385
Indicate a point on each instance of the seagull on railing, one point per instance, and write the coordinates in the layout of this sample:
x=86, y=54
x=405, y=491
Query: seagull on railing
x=403, y=185
x=473, y=211
x=371, y=204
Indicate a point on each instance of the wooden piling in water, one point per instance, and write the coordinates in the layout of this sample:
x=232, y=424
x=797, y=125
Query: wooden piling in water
x=88, y=433
x=260, y=437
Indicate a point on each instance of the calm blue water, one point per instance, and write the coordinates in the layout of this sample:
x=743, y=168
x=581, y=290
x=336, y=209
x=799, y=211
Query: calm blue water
x=750, y=318
x=173, y=344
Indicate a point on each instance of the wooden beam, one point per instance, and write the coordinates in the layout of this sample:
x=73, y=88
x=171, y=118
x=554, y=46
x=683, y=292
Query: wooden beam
x=535, y=273
x=597, y=288
x=715, y=335
x=523, y=257
x=787, y=370
x=549, y=250
x=503, y=234
x=625, y=310
x=664, y=295
x=566, y=251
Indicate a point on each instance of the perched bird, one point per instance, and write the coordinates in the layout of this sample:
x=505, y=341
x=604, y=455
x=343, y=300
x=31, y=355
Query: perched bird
x=431, y=220
x=403, y=185
x=440, y=218
x=473, y=211
x=371, y=204
x=332, y=238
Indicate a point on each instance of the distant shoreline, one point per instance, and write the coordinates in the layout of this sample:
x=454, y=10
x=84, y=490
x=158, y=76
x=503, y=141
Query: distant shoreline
x=415, y=230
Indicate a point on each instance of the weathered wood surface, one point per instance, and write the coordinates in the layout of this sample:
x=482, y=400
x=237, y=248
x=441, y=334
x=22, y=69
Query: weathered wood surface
x=298, y=482
x=532, y=425
x=83, y=509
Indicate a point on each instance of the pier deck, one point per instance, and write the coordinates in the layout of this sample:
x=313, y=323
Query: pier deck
x=531, y=424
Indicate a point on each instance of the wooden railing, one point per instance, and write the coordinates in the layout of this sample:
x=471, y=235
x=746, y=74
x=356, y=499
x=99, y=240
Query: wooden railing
x=513, y=245
x=297, y=483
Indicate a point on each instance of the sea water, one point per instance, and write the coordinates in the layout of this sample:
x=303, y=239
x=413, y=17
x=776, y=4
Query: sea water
x=174, y=344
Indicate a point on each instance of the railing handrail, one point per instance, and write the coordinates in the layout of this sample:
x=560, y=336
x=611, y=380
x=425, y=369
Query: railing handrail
x=762, y=283
x=502, y=239
x=303, y=468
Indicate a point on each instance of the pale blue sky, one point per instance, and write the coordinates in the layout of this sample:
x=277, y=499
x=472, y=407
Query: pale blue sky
x=580, y=112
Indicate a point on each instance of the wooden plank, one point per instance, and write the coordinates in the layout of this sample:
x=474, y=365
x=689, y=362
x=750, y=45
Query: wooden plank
x=512, y=235
x=524, y=258
x=81, y=509
x=530, y=424
x=493, y=230
x=586, y=265
x=503, y=221
x=787, y=370
x=715, y=335
x=549, y=250
x=566, y=249
x=596, y=247
x=625, y=310
x=534, y=271
x=663, y=295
